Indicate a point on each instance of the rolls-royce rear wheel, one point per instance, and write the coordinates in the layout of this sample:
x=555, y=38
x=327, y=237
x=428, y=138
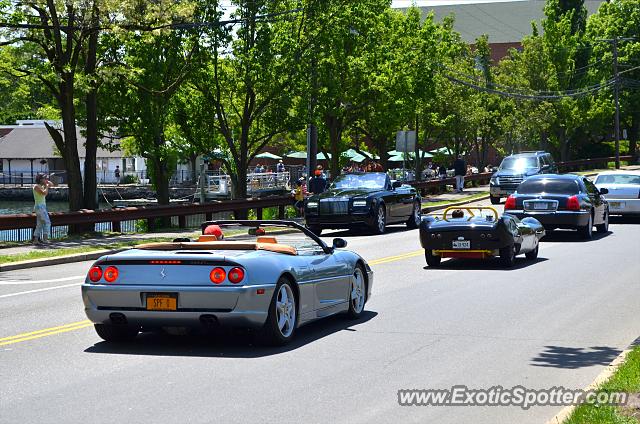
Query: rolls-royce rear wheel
x=432, y=260
x=282, y=319
x=414, y=219
x=508, y=256
x=116, y=333
x=533, y=255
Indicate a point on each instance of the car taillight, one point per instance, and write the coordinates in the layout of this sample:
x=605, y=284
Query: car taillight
x=95, y=274
x=510, y=203
x=573, y=204
x=217, y=275
x=111, y=274
x=236, y=275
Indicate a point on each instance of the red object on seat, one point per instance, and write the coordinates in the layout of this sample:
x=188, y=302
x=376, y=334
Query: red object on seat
x=214, y=230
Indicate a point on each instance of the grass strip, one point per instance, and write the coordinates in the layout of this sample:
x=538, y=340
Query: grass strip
x=625, y=379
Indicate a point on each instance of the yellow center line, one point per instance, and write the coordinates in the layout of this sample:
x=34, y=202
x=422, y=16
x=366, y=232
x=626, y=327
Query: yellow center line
x=18, y=338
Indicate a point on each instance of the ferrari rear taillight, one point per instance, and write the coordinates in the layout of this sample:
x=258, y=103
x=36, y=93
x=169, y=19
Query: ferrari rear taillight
x=111, y=274
x=217, y=275
x=573, y=204
x=236, y=275
x=95, y=274
x=510, y=203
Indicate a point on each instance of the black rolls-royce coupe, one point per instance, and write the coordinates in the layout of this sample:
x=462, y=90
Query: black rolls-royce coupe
x=363, y=200
x=478, y=233
x=561, y=201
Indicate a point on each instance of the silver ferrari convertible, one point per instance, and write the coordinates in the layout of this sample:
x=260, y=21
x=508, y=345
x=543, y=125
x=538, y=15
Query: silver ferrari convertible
x=269, y=275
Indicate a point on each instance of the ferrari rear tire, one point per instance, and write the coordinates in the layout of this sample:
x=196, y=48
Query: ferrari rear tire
x=358, y=294
x=533, y=255
x=508, y=256
x=282, y=319
x=604, y=227
x=116, y=333
x=380, y=222
x=586, y=232
x=495, y=200
x=414, y=219
x=432, y=260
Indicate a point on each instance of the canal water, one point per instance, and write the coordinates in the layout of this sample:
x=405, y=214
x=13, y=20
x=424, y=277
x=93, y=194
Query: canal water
x=22, y=206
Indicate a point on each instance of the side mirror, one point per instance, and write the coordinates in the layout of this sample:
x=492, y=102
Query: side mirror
x=339, y=243
x=604, y=191
x=396, y=184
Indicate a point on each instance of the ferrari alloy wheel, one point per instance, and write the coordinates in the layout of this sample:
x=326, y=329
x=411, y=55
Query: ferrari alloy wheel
x=604, y=227
x=381, y=220
x=508, y=255
x=414, y=219
x=533, y=255
x=432, y=260
x=116, y=333
x=358, y=296
x=283, y=316
x=495, y=200
x=586, y=232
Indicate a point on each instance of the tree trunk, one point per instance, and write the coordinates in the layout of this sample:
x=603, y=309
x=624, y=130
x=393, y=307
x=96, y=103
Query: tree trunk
x=335, y=133
x=564, y=146
x=381, y=143
x=194, y=159
x=161, y=182
x=91, y=102
x=634, y=133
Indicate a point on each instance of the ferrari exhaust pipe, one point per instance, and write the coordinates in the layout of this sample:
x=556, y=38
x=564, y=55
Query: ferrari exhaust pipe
x=209, y=321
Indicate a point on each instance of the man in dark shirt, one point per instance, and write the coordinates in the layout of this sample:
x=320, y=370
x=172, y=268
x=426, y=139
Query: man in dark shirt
x=460, y=168
x=317, y=183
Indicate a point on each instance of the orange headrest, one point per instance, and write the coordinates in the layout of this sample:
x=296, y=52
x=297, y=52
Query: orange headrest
x=265, y=239
x=207, y=237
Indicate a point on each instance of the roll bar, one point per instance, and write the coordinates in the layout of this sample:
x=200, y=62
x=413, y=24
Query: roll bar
x=469, y=209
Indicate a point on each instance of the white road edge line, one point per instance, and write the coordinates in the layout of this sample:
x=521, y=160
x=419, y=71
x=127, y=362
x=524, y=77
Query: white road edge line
x=25, y=282
x=38, y=290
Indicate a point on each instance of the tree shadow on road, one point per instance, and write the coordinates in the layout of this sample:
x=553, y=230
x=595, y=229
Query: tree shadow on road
x=226, y=343
x=575, y=357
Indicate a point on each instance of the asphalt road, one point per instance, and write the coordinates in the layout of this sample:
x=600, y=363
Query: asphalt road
x=554, y=322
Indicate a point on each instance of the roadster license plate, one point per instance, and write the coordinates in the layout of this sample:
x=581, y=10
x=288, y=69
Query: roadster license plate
x=162, y=302
x=461, y=244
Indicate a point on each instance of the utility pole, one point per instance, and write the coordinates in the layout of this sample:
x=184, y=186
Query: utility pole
x=617, y=100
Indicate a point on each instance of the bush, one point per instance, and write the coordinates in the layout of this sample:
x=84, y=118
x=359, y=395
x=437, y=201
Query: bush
x=130, y=179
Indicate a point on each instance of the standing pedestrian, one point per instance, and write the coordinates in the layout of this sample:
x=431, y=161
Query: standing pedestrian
x=460, y=168
x=318, y=183
x=280, y=167
x=116, y=174
x=43, y=223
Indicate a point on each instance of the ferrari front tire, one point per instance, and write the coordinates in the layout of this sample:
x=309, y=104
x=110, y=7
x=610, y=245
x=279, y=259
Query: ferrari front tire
x=358, y=294
x=495, y=200
x=432, y=260
x=116, y=333
x=282, y=319
x=508, y=256
x=533, y=255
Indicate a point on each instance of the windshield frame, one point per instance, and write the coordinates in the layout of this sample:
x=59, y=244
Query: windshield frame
x=360, y=176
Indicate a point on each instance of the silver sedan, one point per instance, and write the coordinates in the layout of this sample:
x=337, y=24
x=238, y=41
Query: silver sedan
x=271, y=275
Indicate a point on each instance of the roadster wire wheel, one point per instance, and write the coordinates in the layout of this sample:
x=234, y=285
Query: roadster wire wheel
x=381, y=220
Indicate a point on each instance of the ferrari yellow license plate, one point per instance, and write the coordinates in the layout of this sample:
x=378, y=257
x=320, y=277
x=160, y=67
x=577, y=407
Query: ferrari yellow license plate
x=162, y=303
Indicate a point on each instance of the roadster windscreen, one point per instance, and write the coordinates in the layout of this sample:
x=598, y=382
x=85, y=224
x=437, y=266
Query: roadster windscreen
x=535, y=186
x=365, y=181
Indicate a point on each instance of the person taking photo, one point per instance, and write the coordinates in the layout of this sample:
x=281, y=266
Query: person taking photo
x=43, y=223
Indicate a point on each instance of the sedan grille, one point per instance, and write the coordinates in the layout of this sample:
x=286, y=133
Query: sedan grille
x=334, y=206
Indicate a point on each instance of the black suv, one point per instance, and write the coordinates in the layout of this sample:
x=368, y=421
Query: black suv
x=516, y=168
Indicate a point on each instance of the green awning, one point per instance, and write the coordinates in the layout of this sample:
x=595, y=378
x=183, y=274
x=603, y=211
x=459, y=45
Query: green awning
x=267, y=155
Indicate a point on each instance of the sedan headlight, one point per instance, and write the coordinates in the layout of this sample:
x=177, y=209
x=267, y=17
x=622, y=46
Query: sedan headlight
x=312, y=205
x=359, y=203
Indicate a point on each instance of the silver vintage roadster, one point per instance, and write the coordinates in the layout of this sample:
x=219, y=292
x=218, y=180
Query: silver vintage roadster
x=269, y=275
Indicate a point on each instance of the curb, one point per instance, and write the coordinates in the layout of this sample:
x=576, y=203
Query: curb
x=430, y=209
x=601, y=378
x=57, y=260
